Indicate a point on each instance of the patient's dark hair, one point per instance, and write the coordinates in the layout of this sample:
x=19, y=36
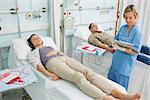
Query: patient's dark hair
x=90, y=26
x=30, y=43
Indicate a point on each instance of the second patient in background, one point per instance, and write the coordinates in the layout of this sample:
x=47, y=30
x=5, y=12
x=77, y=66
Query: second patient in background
x=100, y=39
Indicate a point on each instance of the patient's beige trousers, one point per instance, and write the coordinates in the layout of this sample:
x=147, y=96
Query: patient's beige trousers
x=89, y=82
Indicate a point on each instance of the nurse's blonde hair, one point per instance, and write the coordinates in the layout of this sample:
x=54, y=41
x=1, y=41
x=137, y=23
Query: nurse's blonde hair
x=130, y=8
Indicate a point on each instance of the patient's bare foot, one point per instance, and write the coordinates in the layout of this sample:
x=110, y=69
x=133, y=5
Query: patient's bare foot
x=109, y=98
x=117, y=94
x=137, y=96
x=132, y=97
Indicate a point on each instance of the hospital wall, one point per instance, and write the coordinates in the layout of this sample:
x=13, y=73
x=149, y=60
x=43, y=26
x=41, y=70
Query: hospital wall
x=20, y=19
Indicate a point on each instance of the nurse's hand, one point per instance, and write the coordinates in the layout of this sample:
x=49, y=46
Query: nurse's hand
x=116, y=46
x=129, y=51
x=121, y=49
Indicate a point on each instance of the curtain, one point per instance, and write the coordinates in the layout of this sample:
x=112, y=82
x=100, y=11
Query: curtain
x=146, y=86
x=144, y=22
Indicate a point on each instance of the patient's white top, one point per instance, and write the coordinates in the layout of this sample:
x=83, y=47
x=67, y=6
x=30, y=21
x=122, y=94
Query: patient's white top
x=34, y=57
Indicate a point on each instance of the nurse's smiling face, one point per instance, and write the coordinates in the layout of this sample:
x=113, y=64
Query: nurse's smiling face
x=130, y=14
x=130, y=19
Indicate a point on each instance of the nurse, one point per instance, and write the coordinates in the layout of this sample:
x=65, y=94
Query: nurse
x=124, y=58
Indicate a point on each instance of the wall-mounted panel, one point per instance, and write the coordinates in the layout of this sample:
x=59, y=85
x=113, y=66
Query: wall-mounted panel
x=33, y=15
x=8, y=21
x=6, y=5
x=71, y=4
x=21, y=18
x=38, y=23
x=32, y=5
x=39, y=4
x=28, y=34
x=24, y=5
x=75, y=15
x=108, y=27
x=87, y=11
x=8, y=24
x=90, y=3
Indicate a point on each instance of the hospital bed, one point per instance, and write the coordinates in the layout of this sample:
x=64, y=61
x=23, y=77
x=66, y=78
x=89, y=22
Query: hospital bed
x=98, y=63
x=44, y=88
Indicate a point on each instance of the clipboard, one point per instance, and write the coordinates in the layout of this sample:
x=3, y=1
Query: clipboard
x=124, y=44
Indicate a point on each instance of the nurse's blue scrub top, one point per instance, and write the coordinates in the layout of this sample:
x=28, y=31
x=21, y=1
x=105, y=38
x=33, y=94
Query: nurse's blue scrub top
x=122, y=62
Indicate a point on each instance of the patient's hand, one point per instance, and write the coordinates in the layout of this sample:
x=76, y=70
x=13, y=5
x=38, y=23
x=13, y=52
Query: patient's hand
x=103, y=46
x=112, y=50
x=116, y=46
x=54, y=76
x=52, y=53
x=61, y=53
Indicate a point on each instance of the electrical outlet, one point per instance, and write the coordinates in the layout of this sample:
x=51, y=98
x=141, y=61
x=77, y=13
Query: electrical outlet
x=29, y=15
x=36, y=14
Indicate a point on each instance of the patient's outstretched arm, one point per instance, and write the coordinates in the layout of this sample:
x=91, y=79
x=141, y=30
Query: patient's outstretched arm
x=51, y=75
x=62, y=53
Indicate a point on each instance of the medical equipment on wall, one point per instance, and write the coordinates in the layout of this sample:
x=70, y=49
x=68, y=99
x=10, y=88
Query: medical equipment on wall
x=105, y=10
x=35, y=14
x=68, y=21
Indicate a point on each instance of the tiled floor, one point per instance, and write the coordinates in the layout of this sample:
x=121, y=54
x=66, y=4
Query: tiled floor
x=17, y=94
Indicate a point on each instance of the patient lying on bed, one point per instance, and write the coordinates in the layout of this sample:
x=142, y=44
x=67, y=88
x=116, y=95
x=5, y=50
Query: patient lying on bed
x=100, y=39
x=56, y=65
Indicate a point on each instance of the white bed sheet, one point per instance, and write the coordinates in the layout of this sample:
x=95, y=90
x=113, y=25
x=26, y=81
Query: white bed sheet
x=46, y=89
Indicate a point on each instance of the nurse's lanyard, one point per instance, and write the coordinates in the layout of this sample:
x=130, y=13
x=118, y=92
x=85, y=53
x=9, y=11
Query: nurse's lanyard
x=129, y=32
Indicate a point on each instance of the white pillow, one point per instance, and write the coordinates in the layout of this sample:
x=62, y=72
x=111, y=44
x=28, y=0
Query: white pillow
x=83, y=32
x=48, y=41
x=21, y=47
